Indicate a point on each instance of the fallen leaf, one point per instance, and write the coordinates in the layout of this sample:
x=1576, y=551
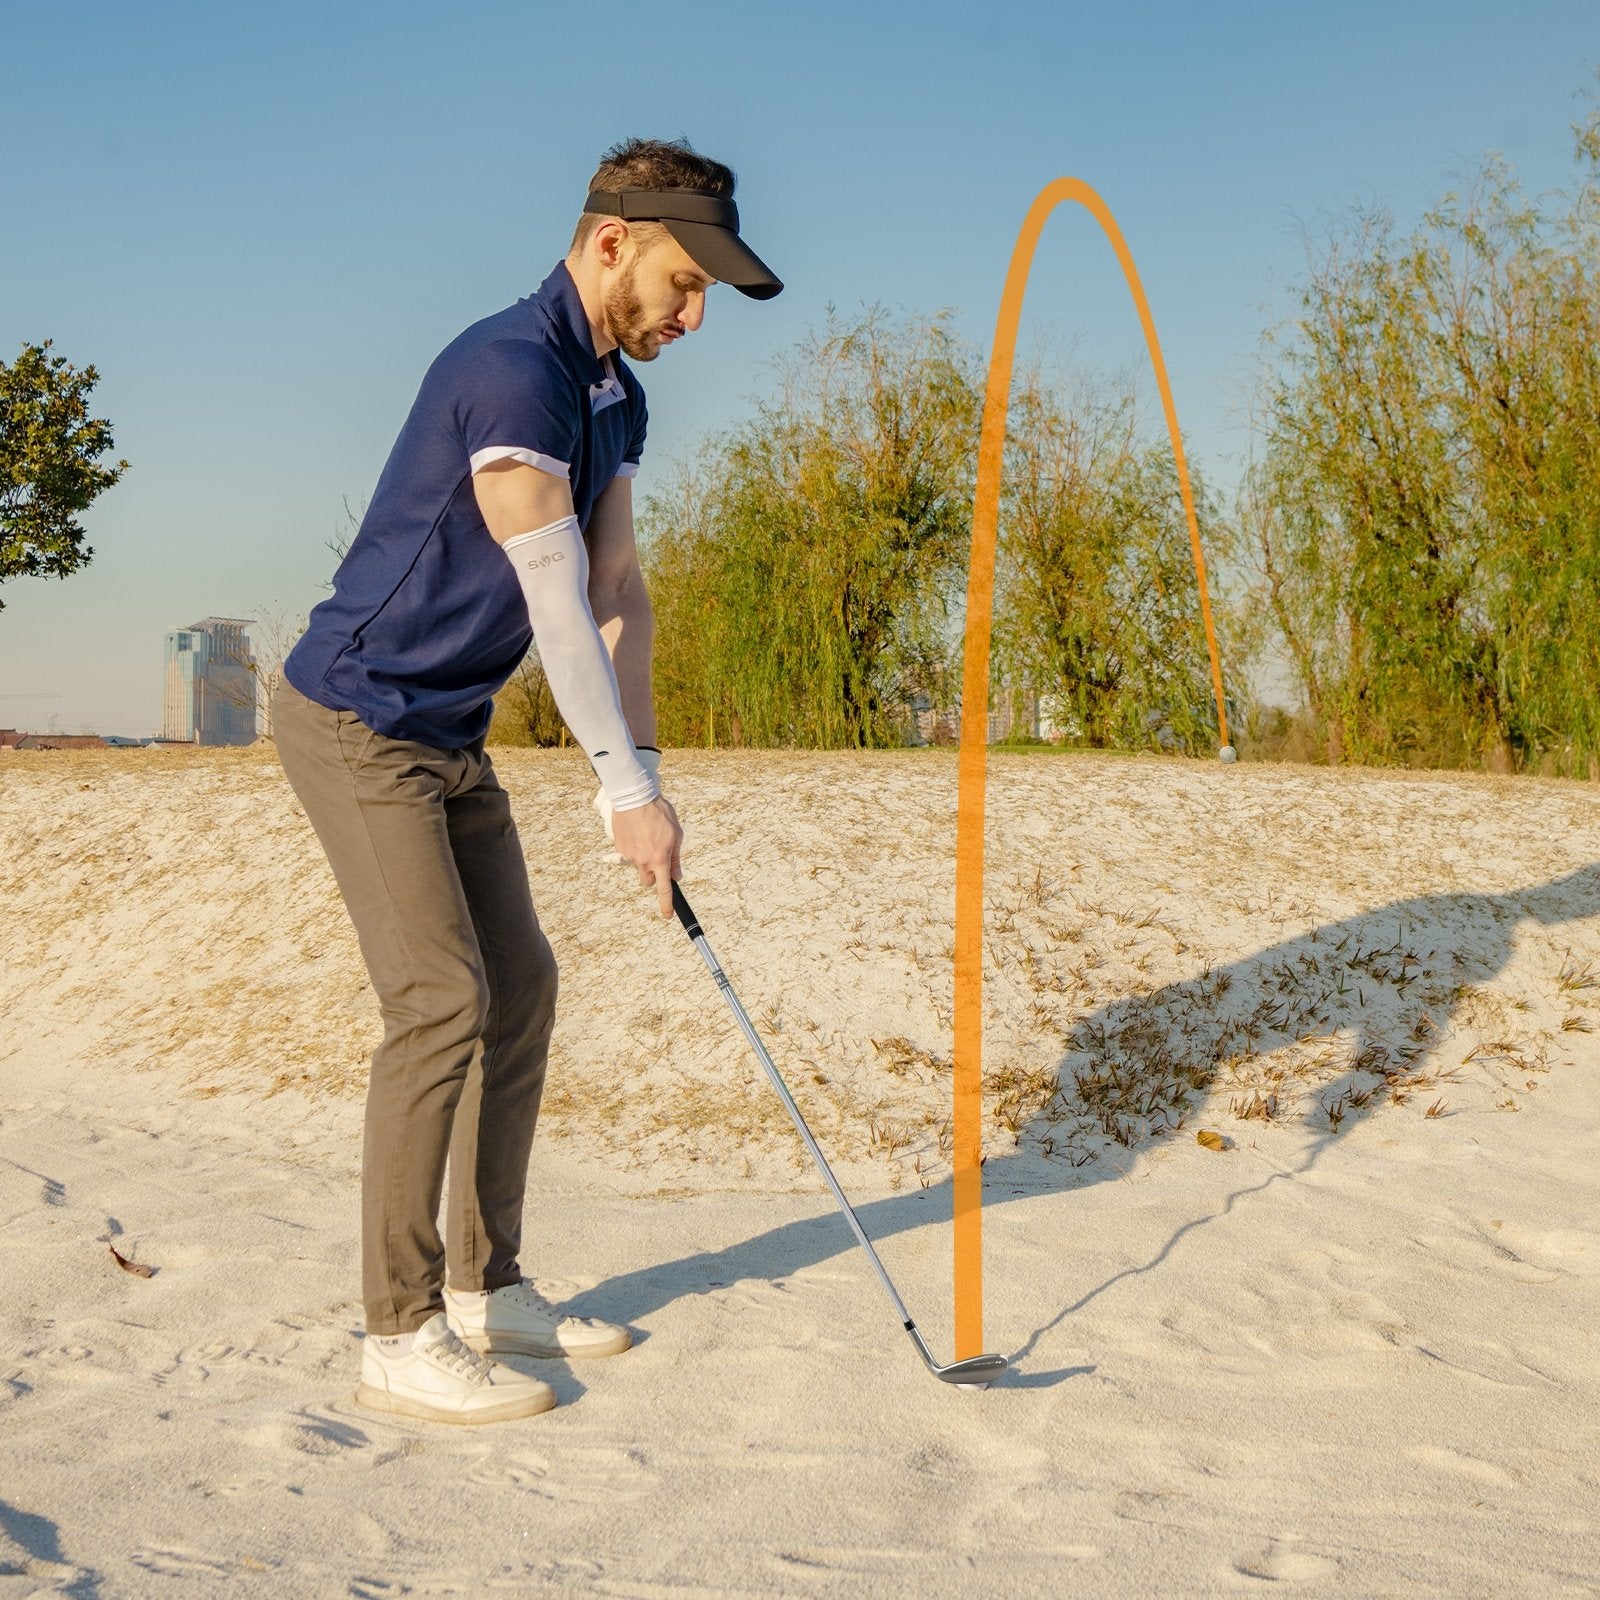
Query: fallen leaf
x=1212, y=1141
x=137, y=1268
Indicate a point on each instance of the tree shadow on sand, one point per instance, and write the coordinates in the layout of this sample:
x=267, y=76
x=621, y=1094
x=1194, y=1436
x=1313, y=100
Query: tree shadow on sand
x=1327, y=1026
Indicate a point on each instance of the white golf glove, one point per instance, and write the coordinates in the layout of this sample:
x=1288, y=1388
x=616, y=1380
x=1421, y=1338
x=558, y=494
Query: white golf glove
x=650, y=760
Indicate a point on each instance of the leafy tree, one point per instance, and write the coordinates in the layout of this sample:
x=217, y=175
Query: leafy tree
x=50, y=449
x=1426, y=512
x=1097, y=604
x=804, y=569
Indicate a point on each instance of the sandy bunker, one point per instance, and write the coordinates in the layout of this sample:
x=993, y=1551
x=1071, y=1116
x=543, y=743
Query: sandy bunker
x=1346, y=1349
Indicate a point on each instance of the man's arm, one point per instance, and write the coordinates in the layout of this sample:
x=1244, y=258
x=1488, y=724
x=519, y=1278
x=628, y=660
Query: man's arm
x=621, y=604
x=517, y=500
x=514, y=498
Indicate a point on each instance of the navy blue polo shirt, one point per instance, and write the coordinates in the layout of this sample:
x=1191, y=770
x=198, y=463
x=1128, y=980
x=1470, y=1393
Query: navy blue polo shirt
x=427, y=619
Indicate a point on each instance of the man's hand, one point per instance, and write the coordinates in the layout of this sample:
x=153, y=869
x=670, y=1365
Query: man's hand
x=650, y=760
x=649, y=837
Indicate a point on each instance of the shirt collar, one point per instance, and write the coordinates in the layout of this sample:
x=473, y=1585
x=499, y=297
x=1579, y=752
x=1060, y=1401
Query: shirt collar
x=558, y=295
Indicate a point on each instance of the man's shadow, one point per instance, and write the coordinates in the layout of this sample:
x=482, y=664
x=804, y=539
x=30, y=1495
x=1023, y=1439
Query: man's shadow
x=1365, y=997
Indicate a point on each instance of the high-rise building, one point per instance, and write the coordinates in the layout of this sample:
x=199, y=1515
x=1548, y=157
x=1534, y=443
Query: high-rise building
x=209, y=691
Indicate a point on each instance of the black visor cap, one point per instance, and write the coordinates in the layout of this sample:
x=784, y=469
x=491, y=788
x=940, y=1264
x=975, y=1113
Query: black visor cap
x=706, y=225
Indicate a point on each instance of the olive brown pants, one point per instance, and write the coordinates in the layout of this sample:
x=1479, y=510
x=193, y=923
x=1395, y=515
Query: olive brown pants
x=425, y=853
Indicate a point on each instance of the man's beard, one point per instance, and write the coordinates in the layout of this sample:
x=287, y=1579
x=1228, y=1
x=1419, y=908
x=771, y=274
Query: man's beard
x=625, y=314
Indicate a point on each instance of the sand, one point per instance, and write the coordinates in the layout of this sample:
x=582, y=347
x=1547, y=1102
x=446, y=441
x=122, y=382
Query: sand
x=1351, y=1352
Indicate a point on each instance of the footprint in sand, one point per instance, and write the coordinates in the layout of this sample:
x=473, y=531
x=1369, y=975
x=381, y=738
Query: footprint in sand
x=597, y=1475
x=1303, y=1303
x=751, y=1294
x=219, y=1353
x=253, y=1483
x=307, y=1433
x=1282, y=1563
x=60, y=1355
x=1565, y=1251
x=197, y=1363
x=377, y=1589
x=578, y=1574
x=77, y=1364
x=1162, y=1508
x=528, y=1473
x=1455, y=1461
x=826, y=1563
x=168, y=1561
x=298, y=1341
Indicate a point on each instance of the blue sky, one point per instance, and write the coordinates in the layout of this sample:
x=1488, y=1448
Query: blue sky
x=261, y=223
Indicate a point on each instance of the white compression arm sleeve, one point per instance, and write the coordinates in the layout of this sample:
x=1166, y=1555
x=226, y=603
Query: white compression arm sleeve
x=552, y=566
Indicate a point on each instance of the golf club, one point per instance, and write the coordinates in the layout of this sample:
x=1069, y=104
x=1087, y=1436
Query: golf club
x=976, y=1372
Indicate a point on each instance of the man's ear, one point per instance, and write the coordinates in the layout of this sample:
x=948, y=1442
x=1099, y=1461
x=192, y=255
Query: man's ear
x=609, y=241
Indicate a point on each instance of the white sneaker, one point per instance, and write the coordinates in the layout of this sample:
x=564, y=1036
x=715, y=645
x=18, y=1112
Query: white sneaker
x=518, y=1321
x=440, y=1380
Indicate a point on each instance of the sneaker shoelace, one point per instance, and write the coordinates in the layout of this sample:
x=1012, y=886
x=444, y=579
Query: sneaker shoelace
x=461, y=1359
x=526, y=1296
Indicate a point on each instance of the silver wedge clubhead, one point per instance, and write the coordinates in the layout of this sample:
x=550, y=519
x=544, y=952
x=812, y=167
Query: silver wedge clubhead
x=976, y=1372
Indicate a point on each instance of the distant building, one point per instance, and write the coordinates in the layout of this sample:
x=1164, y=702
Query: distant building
x=1016, y=713
x=61, y=741
x=14, y=739
x=209, y=689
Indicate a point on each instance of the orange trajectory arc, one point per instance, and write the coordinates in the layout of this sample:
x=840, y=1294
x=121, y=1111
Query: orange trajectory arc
x=967, y=1121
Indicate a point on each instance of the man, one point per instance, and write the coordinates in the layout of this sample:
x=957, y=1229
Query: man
x=504, y=513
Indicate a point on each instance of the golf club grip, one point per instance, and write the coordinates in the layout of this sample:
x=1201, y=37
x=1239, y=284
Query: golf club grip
x=691, y=923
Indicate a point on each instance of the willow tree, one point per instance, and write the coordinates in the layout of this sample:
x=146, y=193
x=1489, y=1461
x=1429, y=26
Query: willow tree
x=1522, y=344
x=1097, y=606
x=1426, y=511
x=804, y=567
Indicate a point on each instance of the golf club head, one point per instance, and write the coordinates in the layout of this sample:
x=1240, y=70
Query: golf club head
x=976, y=1372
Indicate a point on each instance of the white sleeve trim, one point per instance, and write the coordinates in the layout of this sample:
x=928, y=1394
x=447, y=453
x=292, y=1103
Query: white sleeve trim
x=628, y=469
x=511, y=452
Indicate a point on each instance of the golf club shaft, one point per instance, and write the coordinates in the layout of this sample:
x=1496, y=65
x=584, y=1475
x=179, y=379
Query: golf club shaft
x=691, y=926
